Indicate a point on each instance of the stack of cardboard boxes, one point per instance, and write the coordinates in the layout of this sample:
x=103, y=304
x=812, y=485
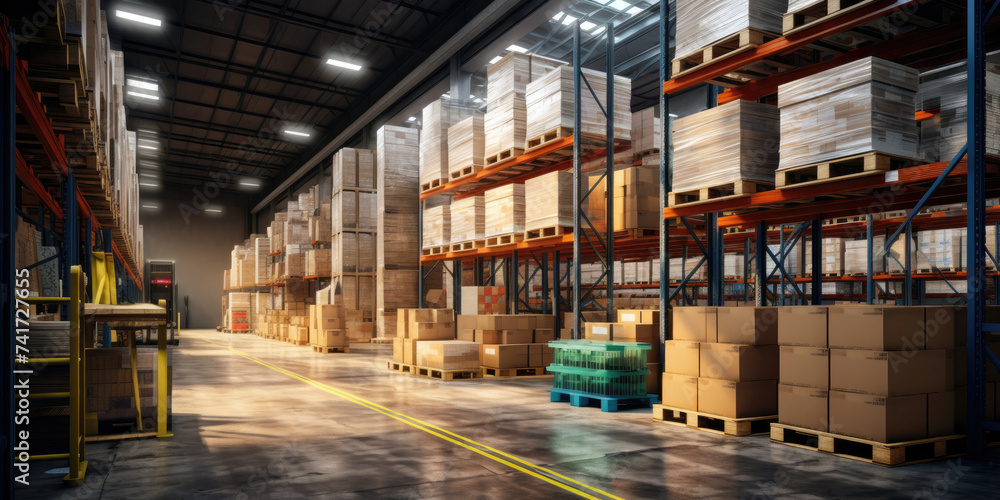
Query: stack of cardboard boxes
x=804, y=371
x=110, y=392
x=415, y=325
x=326, y=326
x=509, y=341
x=484, y=300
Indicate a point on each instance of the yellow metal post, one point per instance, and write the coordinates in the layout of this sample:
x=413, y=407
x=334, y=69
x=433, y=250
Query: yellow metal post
x=135, y=380
x=77, y=464
x=161, y=378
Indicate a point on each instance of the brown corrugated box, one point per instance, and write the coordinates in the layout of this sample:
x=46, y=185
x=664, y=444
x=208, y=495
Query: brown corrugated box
x=878, y=418
x=939, y=327
x=698, y=324
x=737, y=399
x=803, y=325
x=489, y=336
x=466, y=335
x=653, y=378
x=879, y=328
x=682, y=357
x=397, y=350
x=602, y=331
x=739, y=362
x=543, y=335
x=504, y=356
x=516, y=336
x=409, y=351
x=641, y=316
x=887, y=373
x=680, y=391
x=804, y=366
x=432, y=331
x=941, y=414
x=803, y=407
x=748, y=325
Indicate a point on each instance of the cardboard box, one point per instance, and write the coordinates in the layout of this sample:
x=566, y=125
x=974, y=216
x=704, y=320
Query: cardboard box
x=432, y=331
x=448, y=354
x=489, y=322
x=467, y=335
x=543, y=335
x=397, y=350
x=804, y=407
x=489, y=336
x=505, y=356
x=548, y=355
x=803, y=325
x=739, y=363
x=727, y=398
x=748, y=325
x=697, y=324
x=466, y=322
x=878, y=328
x=516, y=337
x=332, y=338
x=602, y=331
x=637, y=332
x=409, y=351
x=403, y=323
x=517, y=322
x=941, y=414
x=804, y=366
x=653, y=378
x=535, y=355
x=887, y=373
x=939, y=327
x=680, y=391
x=879, y=418
x=682, y=357
x=640, y=316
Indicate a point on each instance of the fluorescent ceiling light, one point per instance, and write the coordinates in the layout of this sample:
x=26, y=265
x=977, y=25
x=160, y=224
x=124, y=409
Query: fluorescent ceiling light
x=587, y=25
x=144, y=96
x=495, y=59
x=343, y=64
x=672, y=115
x=214, y=210
x=137, y=18
x=620, y=5
x=249, y=183
x=568, y=20
x=296, y=132
x=150, y=206
x=148, y=175
x=142, y=84
x=558, y=16
x=146, y=131
x=517, y=48
x=150, y=184
x=147, y=146
x=633, y=11
x=412, y=119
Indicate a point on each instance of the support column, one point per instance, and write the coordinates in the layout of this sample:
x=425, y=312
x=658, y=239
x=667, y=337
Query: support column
x=817, y=261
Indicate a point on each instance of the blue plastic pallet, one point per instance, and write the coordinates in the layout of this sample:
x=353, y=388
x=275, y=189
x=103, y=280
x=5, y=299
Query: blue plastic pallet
x=608, y=403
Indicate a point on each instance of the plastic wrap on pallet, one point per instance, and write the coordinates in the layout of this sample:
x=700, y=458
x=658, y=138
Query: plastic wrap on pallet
x=702, y=22
x=437, y=226
x=645, y=130
x=466, y=140
x=856, y=256
x=680, y=268
x=797, y=5
x=468, y=219
x=550, y=99
x=939, y=248
x=832, y=257
x=859, y=107
x=505, y=123
x=548, y=200
x=732, y=142
x=505, y=210
x=792, y=262
x=732, y=265
x=437, y=117
x=944, y=89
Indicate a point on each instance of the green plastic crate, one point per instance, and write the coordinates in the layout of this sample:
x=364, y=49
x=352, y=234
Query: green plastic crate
x=621, y=356
x=599, y=382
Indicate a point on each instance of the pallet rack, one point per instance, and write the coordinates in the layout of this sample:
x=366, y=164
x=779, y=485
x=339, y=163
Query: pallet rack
x=960, y=180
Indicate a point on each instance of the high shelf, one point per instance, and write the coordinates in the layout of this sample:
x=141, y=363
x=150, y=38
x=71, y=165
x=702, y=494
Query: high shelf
x=924, y=43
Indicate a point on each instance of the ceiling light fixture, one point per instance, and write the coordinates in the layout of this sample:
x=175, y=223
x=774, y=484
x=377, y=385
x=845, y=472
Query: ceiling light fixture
x=558, y=16
x=568, y=20
x=672, y=115
x=343, y=64
x=620, y=5
x=137, y=18
x=296, y=132
x=495, y=59
x=149, y=184
x=142, y=84
x=147, y=146
x=587, y=25
x=144, y=96
x=517, y=48
x=412, y=119
x=154, y=207
x=633, y=11
x=249, y=183
x=214, y=210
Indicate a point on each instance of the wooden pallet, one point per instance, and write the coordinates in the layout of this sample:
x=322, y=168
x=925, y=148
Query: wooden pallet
x=607, y=403
x=467, y=245
x=815, y=14
x=489, y=372
x=298, y=342
x=230, y=330
x=327, y=349
x=715, y=193
x=547, y=232
x=845, y=220
x=381, y=340
x=504, y=239
x=503, y=155
x=942, y=269
x=437, y=373
x=841, y=168
x=641, y=154
x=823, y=275
x=748, y=426
x=436, y=183
x=887, y=454
x=464, y=172
x=434, y=250
x=550, y=136
x=737, y=43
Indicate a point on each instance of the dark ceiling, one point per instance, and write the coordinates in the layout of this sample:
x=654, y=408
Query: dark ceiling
x=233, y=75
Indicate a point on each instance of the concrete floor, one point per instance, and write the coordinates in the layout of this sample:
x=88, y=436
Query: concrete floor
x=246, y=430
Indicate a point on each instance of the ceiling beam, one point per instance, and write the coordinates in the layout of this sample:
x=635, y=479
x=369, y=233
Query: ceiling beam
x=187, y=122
x=223, y=159
x=238, y=90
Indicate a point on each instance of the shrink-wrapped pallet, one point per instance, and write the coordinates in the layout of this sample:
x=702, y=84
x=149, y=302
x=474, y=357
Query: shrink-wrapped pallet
x=353, y=168
x=832, y=257
x=645, y=130
x=353, y=210
x=352, y=252
x=505, y=124
x=466, y=142
x=729, y=143
x=792, y=263
x=703, y=22
x=859, y=107
x=550, y=99
x=548, y=201
x=296, y=232
x=437, y=226
x=512, y=73
x=637, y=199
x=318, y=262
x=732, y=265
x=437, y=117
x=505, y=210
x=468, y=218
x=939, y=248
x=680, y=268
x=943, y=92
x=262, y=266
x=856, y=256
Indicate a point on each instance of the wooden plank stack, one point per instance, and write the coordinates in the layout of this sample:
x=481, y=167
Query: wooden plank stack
x=701, y=23
x=438, y=116
x=548, y=201
x=726, y=144
x=468, y=219
x=466, y=143
x=859, y=107
x=550, y=99
x=353, y=215
x=437, y=226
x=398, y=202
x=505, y=210
x=506, y=89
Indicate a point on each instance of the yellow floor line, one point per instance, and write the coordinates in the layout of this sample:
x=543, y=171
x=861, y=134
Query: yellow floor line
x=469, y=444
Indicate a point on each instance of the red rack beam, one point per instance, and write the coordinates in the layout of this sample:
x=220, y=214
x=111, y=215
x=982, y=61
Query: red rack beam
x=28, y=177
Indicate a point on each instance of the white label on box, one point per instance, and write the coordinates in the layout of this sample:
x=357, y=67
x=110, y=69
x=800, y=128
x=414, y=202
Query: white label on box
x=629, y=317
x=490, y=350
x=600, y=330
x=892, y=176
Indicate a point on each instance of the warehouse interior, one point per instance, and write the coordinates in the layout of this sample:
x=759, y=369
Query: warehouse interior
x=508, y=248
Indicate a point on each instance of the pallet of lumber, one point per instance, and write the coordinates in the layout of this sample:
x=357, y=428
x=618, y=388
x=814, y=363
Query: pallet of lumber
x=437, y=226
x=548, y=201
x=859, y=107
x=466, y=143
x=733, y=142
x=550, y=99
x=504, y=210
x=468, y=219
x=438, y=116
x=701, y=23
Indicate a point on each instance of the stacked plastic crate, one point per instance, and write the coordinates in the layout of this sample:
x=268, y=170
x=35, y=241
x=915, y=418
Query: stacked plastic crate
x=609, y=372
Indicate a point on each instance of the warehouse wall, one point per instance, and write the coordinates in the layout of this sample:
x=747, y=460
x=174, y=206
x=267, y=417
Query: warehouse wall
x=200, y=244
